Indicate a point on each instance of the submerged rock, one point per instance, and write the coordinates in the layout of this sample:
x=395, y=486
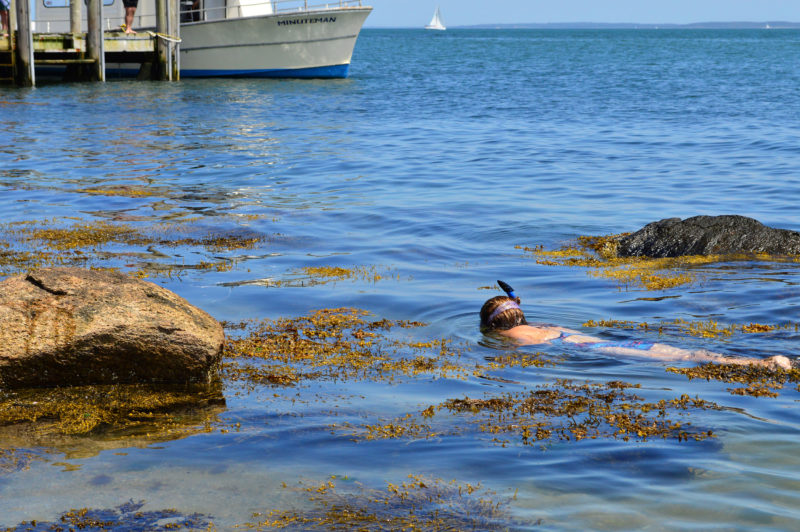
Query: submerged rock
x=71, y=326
x=708, y=235
x=111, y=415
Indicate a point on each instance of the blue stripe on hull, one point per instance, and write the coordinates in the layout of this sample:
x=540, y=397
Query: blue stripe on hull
x=336, y=71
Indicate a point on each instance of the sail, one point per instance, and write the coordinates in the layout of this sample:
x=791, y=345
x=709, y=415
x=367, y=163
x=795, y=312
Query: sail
x=436, y=21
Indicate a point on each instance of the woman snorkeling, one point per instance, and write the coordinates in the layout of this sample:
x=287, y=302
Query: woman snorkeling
x=503, y=315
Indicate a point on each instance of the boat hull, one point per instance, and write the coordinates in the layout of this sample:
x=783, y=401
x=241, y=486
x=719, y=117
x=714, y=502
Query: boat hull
x=315, y=44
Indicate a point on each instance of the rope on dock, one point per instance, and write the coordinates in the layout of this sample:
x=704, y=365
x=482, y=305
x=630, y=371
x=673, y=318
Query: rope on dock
x=168, y=38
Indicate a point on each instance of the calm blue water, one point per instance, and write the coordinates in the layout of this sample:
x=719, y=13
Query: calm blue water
x=438, y=156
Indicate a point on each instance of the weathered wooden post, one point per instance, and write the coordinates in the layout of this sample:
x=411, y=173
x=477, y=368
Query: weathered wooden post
x=94, y=39
x=75, y=71
x=161, y=69
x=26, y=77
x=174, y=11
x=74, y=16
x=12, y=20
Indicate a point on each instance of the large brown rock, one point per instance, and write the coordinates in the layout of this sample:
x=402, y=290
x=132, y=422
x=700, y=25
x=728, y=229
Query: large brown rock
x=69, y=326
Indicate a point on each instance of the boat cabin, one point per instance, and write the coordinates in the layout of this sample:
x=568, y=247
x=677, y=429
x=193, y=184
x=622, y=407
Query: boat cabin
x=52, y=16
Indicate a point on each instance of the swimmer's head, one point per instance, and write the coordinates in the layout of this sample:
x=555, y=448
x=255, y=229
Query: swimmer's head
x=502, y=312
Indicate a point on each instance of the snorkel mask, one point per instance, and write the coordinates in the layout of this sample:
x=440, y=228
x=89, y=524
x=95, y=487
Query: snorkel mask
x=514, y=303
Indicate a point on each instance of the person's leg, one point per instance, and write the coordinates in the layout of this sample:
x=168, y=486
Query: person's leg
x=667, y=352
x=129, y=12
x=4, y=20
x=670, y=353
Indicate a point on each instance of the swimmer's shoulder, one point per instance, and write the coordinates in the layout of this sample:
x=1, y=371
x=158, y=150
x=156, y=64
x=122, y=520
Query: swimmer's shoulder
x=528, y=334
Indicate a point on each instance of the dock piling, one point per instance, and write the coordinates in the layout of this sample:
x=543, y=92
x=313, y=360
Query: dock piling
x=94, y=39
x=74, y=17
x=174, y=10
x=26, y=77
x=8, y=57
x=167, y=34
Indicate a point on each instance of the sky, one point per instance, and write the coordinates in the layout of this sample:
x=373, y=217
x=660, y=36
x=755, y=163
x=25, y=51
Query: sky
x=417, y=13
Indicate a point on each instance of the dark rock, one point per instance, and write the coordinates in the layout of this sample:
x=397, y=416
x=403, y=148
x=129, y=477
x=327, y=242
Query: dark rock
x=70, y=326
x=708, y=235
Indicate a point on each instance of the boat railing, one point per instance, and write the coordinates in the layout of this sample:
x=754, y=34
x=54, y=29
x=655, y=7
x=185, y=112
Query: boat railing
x=196, y=11
x=292, y=5
x=57, y=20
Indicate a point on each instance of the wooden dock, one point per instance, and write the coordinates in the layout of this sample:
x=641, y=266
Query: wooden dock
x=84, y=55
x=70, y=50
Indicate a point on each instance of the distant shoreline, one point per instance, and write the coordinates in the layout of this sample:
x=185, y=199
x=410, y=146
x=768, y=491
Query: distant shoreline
x=778, y=24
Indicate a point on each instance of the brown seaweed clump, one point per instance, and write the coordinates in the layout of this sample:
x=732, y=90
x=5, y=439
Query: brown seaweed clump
x=36, y=244
x=758, y=381
x=321, y=275
x=128, y=516
x=143, y=250
x=699, y=328
x=128, y=191
x=317, y=275
x=334, y=344
x=599, y=255
x=419, y=503
x=563, y=410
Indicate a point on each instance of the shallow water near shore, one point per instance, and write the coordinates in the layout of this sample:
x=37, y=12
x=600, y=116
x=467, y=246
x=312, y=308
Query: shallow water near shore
x=422, y=178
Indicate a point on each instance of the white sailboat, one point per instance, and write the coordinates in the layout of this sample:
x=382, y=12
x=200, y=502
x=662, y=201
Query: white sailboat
x=436, y=21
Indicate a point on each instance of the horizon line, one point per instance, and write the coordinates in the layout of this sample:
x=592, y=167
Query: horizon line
x=742, y=24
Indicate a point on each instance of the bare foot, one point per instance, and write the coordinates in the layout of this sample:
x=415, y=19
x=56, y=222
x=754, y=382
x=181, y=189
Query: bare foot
x=778, y=361
x=129, y=31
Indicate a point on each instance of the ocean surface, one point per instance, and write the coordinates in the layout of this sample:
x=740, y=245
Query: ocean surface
x=444, y=162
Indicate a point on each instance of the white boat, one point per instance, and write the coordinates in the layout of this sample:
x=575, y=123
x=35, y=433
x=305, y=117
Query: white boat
x=436, y=21
x=241, y=38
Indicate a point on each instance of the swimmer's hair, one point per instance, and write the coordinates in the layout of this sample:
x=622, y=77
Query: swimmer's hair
x=507, y=319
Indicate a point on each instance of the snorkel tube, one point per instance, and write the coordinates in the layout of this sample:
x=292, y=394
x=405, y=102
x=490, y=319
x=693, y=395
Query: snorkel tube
x=508, y=290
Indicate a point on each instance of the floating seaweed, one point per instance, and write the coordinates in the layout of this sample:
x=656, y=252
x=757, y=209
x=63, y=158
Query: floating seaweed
x=336, y=344
x=563, y=410
x=320, y=275
x=419, y=503
x=758, y=381
x=68, y=242
x=128, y=517
x=599, y=254
x=124, y=190
x=699, y=328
